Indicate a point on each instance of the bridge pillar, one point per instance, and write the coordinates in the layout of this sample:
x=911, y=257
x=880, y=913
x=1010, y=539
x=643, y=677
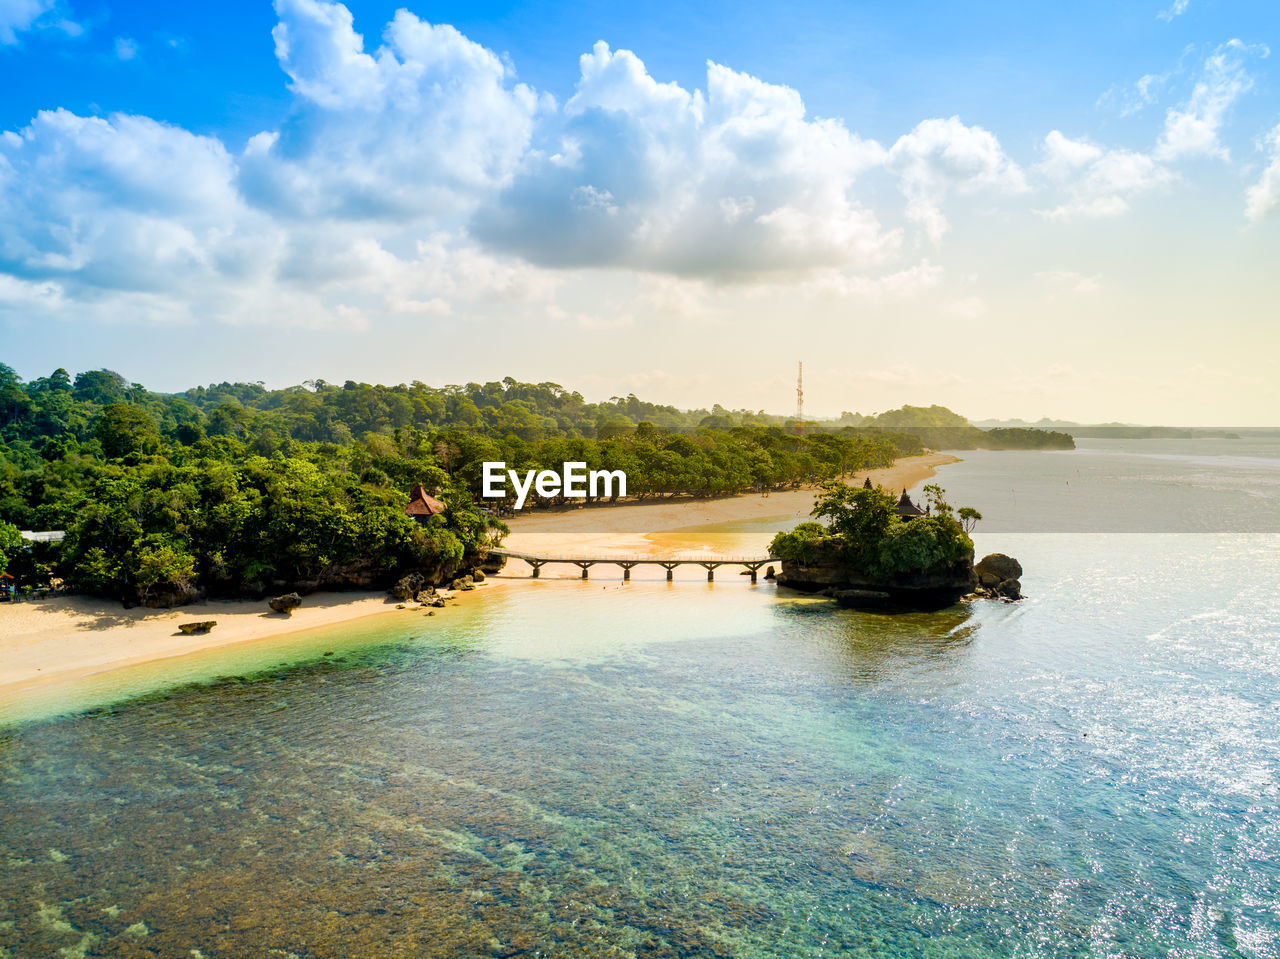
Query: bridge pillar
x=668, y=567
x=711, y=571
x=537, y=567
x=626, y=570
x=753, y=568
x=584, y=567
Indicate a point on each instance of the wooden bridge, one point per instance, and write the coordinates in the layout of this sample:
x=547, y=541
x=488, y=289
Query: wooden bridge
x=709, y=563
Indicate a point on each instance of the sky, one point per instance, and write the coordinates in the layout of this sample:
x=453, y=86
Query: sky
x=1014, y=210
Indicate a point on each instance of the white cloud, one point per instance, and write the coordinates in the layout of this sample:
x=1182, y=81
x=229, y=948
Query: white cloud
x=19, y=15
x=425, y=125
x=1064, y=157
x=1099, y=183
x=1175, y=9
x=121, y=203
x=126, y=48
x=940, y=157
x=1192, y=128
x=734, y=181
x=1264, y=196
x=1138, y=96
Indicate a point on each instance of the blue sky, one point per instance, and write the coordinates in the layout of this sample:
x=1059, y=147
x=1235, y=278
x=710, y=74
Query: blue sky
x=1013, y=209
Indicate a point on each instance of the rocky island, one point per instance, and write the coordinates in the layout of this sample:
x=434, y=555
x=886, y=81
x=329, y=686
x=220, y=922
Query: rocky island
x=875, y=553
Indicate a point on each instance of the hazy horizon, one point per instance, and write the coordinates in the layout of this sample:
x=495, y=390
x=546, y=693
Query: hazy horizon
x=1011, y=212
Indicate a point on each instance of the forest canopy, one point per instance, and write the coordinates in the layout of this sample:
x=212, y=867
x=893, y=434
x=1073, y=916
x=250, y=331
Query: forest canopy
x=233, y=487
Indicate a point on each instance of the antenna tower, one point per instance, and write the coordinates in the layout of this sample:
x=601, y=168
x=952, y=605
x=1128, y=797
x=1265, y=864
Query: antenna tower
x=800, y=399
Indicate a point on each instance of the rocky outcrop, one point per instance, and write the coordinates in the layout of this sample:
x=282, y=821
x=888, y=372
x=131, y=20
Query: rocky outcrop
x=489, y=563
x=285, y=604
x=999, y=577
x=929, y=589
x=203, y=626
x=994, y=568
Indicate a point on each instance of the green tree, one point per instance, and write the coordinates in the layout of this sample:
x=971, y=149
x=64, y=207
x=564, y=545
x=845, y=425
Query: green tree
x=125, y=430
x=10, y=543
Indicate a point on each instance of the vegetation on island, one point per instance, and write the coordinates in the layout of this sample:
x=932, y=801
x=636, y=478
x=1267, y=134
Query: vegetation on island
x=233, y=488
x=864, y=534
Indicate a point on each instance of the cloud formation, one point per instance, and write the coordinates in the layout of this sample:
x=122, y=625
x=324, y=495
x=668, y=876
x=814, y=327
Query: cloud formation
x=19, y=15
x=1098, y=182
x=1192, y=128
x=651, y=176
x=425, y=125
x=940, y=157
x=1264, y=196
x=417, y=176
x=1101, y=182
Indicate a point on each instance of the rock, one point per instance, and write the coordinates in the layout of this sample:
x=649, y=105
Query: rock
x=491, y=562
x=408, y=586
x=425, y=595
x=770, y=574
x=1001, y=566
x=988, y=579
x=285, y=604
x=201, y=627
x=1010, y=589
x=477, y=576
x=463, y=583
x=438, y=602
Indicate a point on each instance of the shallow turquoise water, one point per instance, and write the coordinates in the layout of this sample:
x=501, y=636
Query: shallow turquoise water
x=695, y=770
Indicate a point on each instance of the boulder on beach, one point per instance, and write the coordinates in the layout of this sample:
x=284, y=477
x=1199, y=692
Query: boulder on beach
x=285, y=604
x=409, y=585
x=203, y=626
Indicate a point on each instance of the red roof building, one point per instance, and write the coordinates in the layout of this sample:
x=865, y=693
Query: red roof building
x=422, y=506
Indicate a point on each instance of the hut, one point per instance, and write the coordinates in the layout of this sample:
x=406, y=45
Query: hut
x=423, y=506
x=908, y=509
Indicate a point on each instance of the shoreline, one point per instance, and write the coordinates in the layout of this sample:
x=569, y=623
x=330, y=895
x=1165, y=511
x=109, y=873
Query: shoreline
x=77, y=643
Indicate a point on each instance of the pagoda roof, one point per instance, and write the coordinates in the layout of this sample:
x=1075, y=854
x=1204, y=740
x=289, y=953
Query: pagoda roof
x=423, y=504
x=908, y=508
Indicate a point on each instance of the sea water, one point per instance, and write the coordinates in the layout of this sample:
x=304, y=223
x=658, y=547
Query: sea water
x=694, y=769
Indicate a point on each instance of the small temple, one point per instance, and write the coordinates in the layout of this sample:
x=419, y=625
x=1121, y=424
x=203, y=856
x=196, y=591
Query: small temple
x=423, y=506
x=908, y=509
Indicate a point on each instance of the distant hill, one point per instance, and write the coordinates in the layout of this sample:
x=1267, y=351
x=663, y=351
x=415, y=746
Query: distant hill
x=1130, y=431
x=941, y=428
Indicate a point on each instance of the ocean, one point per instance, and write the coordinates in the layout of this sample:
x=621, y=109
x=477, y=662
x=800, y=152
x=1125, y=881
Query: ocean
x=714, y=769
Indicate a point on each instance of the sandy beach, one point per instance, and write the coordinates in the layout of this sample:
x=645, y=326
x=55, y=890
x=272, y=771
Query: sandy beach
x=45, y=644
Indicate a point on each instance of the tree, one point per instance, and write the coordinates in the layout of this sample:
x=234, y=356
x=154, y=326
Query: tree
x=10, y=542
x=161, y=563
x=125, y=430
x=861, y=516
